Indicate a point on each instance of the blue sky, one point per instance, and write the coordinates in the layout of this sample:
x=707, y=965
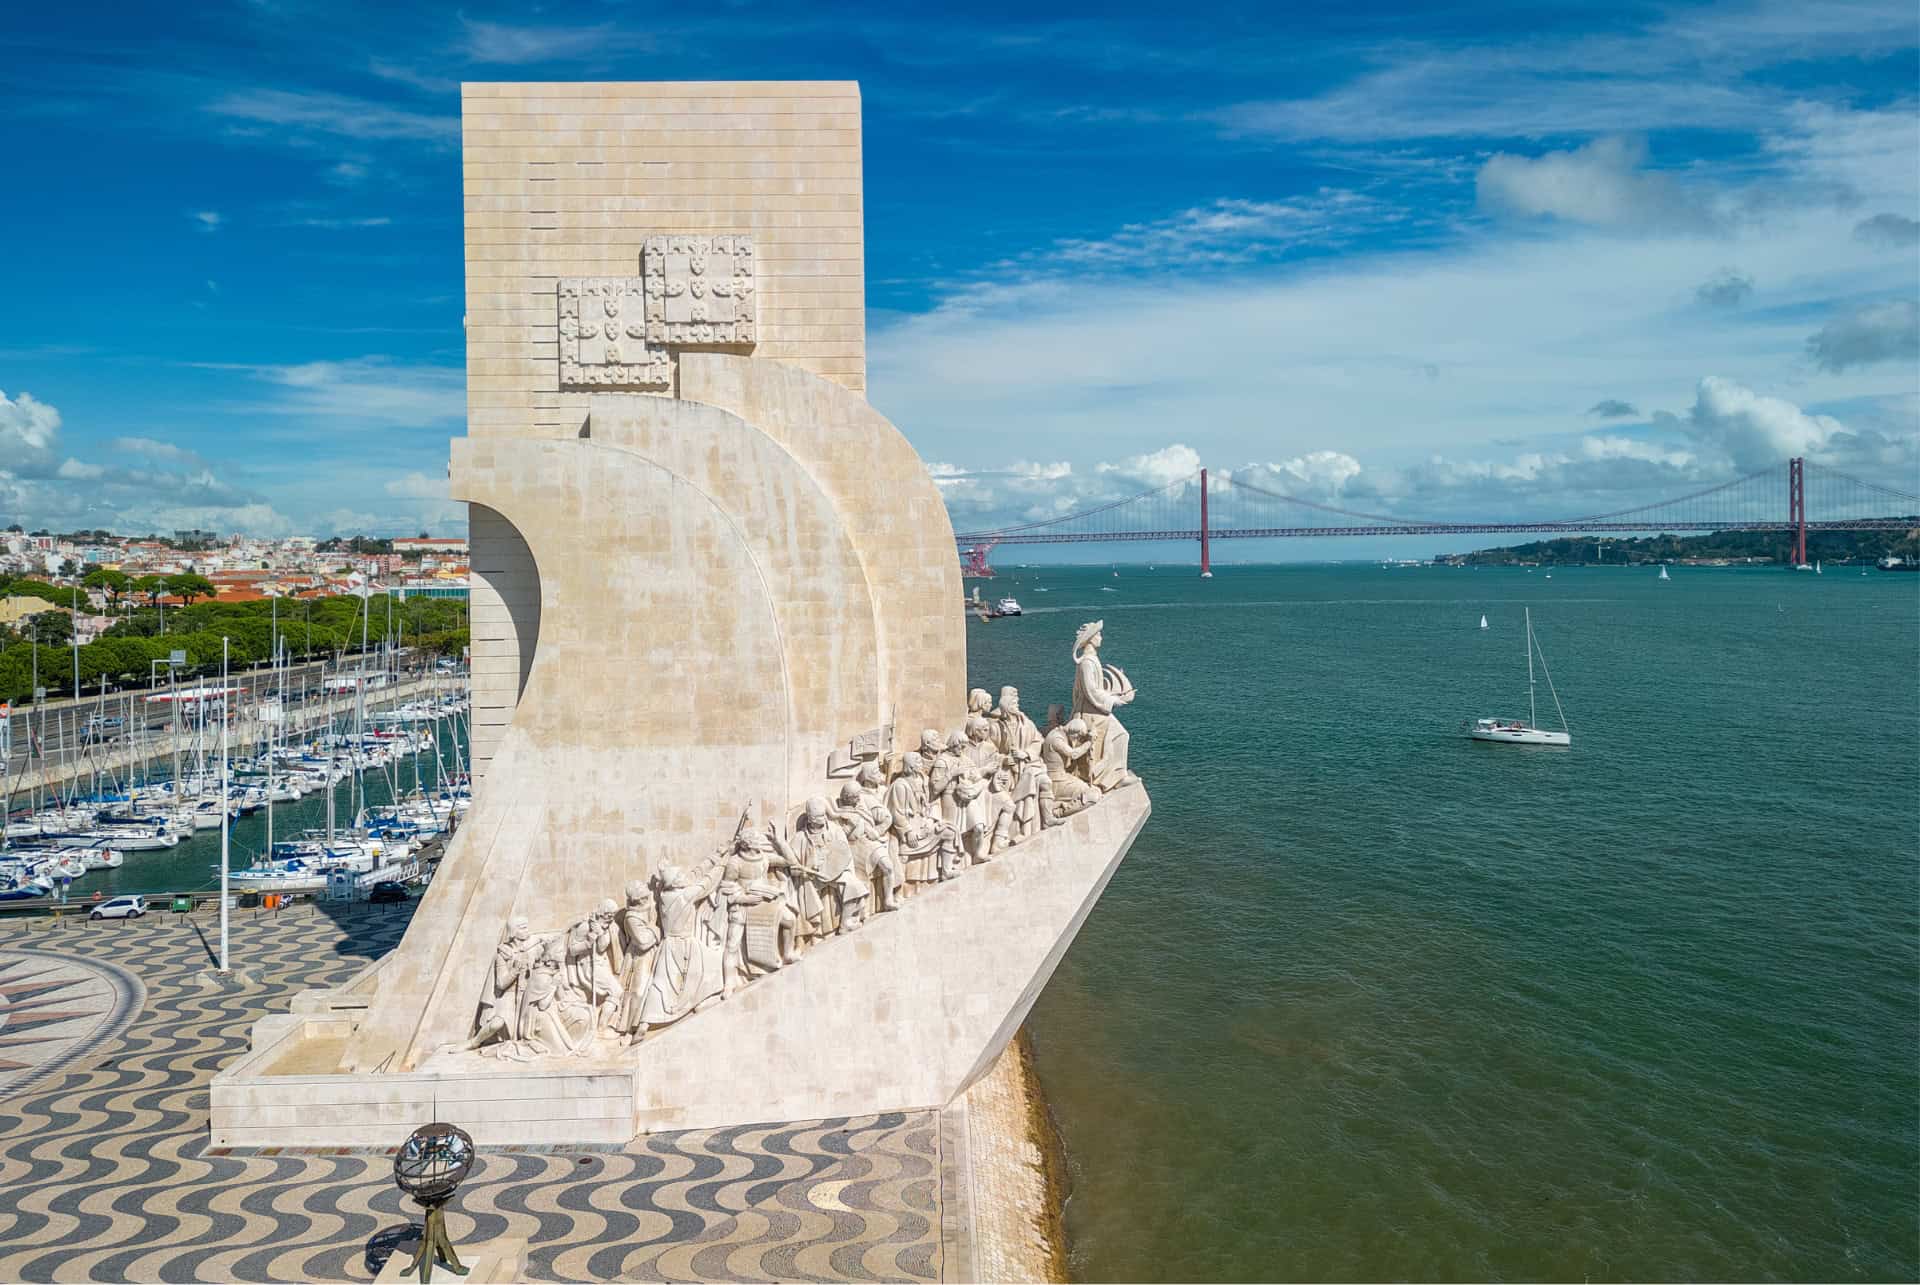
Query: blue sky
x=1447, y=260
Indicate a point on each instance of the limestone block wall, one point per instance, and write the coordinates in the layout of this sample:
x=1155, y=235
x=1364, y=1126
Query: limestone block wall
x=568, y=180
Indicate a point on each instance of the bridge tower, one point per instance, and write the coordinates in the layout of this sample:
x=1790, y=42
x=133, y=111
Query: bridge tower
x=1206, y=553
x=1797, y=507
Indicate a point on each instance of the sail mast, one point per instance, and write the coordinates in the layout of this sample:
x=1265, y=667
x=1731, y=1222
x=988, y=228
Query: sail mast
x=1533, y=719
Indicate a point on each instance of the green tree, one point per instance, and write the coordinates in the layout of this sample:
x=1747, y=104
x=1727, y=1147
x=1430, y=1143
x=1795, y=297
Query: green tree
x=188, y=586
x=49, y=628
x=114, y=583
x=152, y=587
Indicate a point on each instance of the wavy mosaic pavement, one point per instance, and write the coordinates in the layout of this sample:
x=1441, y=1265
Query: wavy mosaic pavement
x=105, y=1173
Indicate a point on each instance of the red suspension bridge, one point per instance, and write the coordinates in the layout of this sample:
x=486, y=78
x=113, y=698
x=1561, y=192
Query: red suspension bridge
x=1243, y=505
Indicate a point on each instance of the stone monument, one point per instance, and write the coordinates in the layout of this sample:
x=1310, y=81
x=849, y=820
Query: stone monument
x=716, y=600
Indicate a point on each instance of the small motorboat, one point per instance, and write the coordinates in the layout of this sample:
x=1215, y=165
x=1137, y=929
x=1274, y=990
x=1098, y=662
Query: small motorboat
x=1007, y=607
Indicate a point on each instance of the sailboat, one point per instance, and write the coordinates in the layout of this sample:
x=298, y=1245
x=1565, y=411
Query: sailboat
x=1816, y=566
x=1664, y=575
x=1512, y=731
x=1483, y=622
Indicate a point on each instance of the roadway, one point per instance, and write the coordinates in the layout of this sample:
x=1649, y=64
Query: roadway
x=62, y=723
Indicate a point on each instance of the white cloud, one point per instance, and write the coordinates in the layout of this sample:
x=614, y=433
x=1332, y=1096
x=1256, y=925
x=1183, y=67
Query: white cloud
x=418, y=486
x=1879, y=332
x=1752, y=430
x=1157, y=468
x=209, y=220
x=29, y=435
x=144, y=484
x=370, y=392
x=1397, y=359
x=378, y=221
x=1688, y=68
x=497, y=42
x=1603, y=184
x=339, y=115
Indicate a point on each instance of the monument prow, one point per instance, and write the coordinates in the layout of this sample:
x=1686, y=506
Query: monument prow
x=744, y=848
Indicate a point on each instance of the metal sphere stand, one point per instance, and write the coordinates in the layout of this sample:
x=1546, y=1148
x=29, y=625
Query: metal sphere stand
x=429, y=1168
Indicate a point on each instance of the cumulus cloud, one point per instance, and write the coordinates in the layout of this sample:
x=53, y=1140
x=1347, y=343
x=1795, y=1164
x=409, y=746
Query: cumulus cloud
x=1890, y=231
x=1601, y=184
x=1876, y=333
x=1726, y=288
x=29, y=435
x=1157, y=468
x=1613, y=408
x=209, y=220
x=1751, y=429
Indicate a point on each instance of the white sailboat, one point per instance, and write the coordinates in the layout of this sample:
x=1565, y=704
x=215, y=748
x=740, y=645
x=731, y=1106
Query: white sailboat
x=1483, y=622
x=1664, y=575
x=1511, y=731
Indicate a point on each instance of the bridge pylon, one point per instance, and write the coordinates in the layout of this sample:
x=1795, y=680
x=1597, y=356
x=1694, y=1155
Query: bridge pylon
x=1206, y=552
x=973, y=561
x=1797, y=507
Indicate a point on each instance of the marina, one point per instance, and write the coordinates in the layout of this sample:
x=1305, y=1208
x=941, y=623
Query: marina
x=331, y=796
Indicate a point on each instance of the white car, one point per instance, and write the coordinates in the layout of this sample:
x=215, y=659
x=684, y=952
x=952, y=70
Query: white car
x=119, y=908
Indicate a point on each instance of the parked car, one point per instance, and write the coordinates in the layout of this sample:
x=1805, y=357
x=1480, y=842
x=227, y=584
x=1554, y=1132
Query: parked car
x=101, y=727
x=386, y=891
x=119, y=908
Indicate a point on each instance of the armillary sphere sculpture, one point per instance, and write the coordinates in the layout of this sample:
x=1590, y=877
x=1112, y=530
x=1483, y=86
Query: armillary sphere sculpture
x=429, y=1166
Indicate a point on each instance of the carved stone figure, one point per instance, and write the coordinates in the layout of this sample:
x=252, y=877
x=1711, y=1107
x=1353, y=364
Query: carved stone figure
x=979, y=703
x=867, y=827
x=1012, y=729
x=981, y=751
x=502, y=1004
x=762, y=915
x=973, y=819
x=639, y=925
x=591, y=980
x=1099, y=690
x=821, y=845
x=803, y=892
x=688, y=968
x=543, y=1030
x=917, y=827
x=999, y=811
x=944, y=759
x=1068, y=753
x=1029, y=782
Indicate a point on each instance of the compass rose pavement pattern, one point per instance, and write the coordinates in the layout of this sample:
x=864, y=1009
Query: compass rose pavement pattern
x=105, y=1172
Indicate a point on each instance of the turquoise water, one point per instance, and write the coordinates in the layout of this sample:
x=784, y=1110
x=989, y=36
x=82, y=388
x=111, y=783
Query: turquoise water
x=1370, y=1001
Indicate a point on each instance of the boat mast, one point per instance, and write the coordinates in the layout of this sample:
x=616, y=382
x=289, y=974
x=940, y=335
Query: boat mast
x=1532, y=718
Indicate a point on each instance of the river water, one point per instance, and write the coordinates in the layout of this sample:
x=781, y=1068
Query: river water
x=1370, y=1001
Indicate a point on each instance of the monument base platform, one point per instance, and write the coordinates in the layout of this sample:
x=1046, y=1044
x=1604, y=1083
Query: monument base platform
x=901, y=1015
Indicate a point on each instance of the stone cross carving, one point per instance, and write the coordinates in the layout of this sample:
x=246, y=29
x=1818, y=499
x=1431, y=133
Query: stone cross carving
x=693, y=292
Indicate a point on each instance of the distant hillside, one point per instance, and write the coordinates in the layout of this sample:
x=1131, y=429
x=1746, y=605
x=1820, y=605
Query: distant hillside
x=1732, y=546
